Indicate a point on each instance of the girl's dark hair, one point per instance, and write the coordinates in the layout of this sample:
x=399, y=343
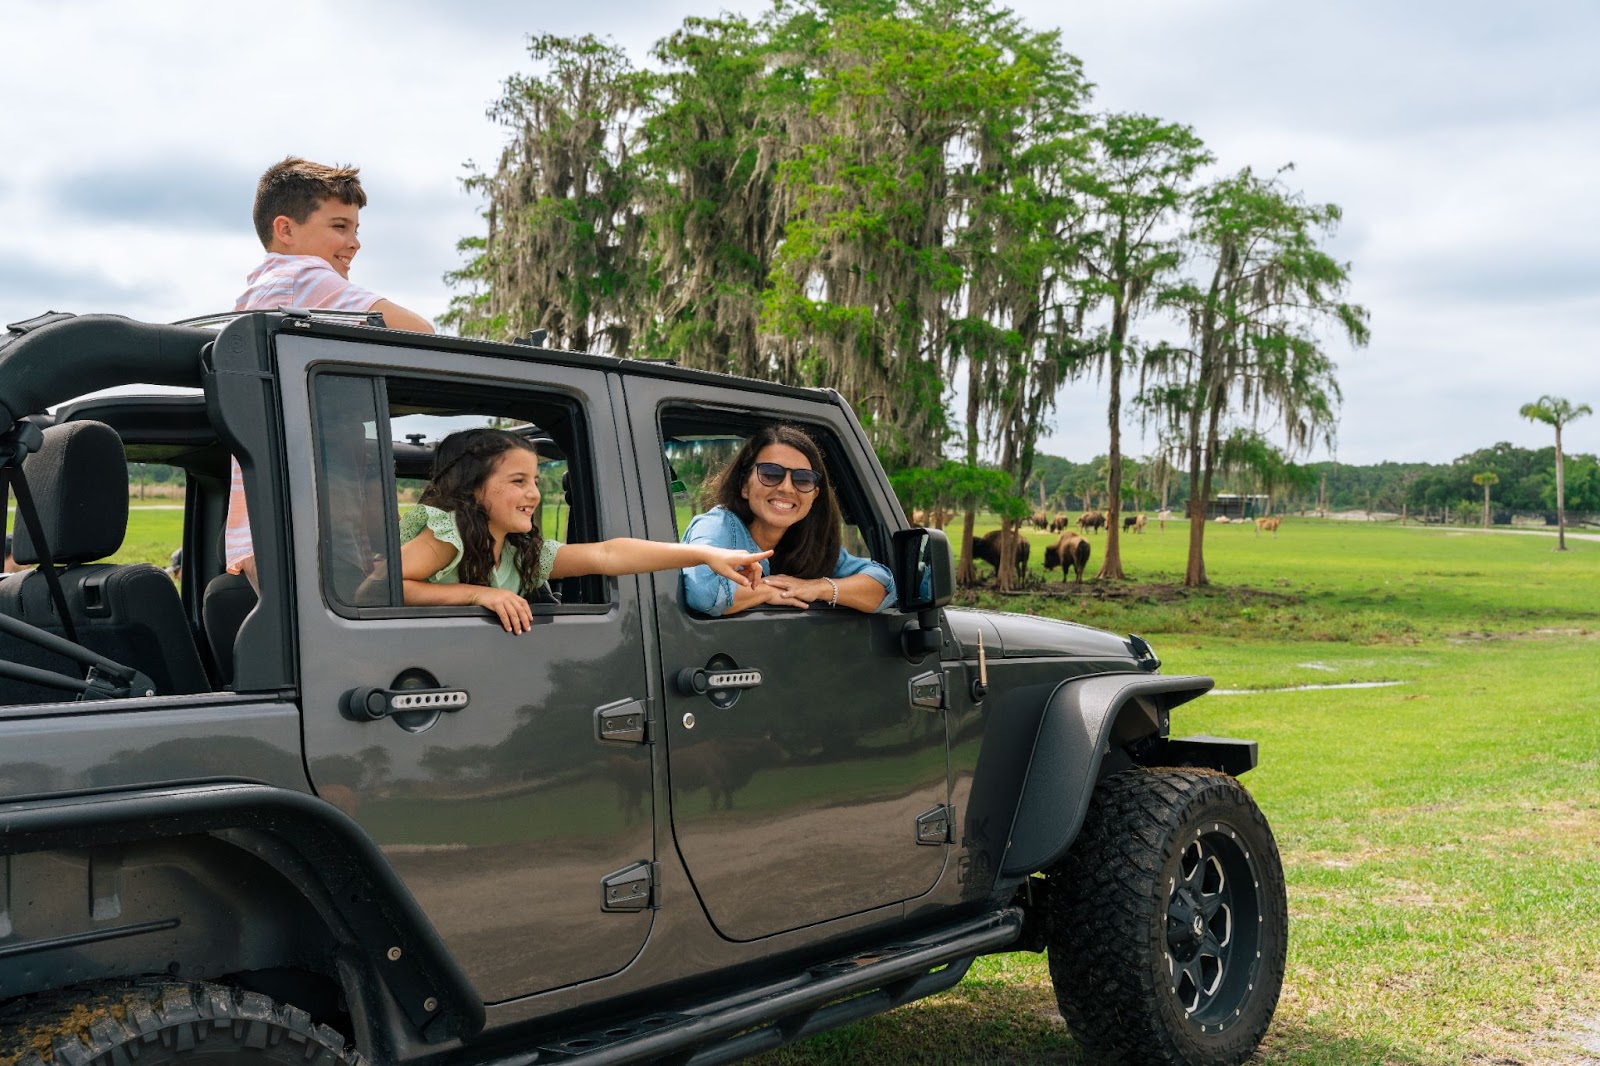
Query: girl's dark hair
x=810, y=547
x=461, y=464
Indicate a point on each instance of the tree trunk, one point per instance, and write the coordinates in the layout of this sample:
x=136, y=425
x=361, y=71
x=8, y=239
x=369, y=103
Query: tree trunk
x=1111, y=563
x=965, y=575
x=1194, y=574
x=1561, y=498
x=1005, y=574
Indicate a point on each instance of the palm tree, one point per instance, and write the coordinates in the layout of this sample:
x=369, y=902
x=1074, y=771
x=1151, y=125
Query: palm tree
x=1557, y=411
x=1487, y=478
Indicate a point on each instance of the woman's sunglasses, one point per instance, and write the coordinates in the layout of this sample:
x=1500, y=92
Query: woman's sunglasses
x=771, y=475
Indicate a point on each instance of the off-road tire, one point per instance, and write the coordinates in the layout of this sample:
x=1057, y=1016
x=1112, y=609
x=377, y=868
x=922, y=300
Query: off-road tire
x=159, y=1021
x=1167, y=922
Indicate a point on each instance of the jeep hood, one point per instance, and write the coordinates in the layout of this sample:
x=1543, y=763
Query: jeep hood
x=1020, y=636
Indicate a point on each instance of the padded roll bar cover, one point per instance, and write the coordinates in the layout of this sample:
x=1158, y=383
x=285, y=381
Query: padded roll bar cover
x=68, y=357
x=1074, y=736
x=79, y=478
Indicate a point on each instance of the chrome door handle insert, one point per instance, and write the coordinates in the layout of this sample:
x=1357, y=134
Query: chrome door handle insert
x=696, y=681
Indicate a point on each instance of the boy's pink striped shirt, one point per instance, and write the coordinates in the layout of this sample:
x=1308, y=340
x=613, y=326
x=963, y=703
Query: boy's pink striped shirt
x=301, y=281
x=284, y=281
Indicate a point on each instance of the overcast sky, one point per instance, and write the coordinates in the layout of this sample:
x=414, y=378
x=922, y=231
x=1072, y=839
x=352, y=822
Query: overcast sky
x=1462, y=140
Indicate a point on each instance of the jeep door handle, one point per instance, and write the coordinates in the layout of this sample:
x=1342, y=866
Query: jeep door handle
x=697, y=681
x=376, y=704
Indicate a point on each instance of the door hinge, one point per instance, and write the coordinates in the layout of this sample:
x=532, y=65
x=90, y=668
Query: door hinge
x=934, y=827
x=927, y=690
x=624, y=722
x=632, y=888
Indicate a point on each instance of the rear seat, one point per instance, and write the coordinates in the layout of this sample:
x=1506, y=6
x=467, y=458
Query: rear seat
x=130, y=613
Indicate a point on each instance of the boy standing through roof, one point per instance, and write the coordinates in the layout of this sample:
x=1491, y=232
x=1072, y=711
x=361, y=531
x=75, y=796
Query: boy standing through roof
x=307, y=216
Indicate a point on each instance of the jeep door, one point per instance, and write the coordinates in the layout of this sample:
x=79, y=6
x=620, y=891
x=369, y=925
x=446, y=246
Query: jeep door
x=821, y=791
x=504, y=816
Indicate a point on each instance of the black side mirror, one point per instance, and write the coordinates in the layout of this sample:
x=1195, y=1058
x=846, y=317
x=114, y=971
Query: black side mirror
x=924, y=578
x=923, y=572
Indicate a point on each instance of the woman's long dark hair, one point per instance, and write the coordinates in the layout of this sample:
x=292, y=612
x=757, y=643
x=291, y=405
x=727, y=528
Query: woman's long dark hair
x=461, y=464
x=810, y=547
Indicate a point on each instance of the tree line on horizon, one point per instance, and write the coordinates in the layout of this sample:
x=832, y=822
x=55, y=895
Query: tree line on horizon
x=1524, y=485
x=887, y=197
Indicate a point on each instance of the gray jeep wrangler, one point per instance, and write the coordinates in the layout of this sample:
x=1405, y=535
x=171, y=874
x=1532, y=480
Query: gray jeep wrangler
x=319, y=826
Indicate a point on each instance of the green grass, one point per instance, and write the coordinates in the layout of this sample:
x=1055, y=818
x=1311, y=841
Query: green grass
x=1439, y=837
x=153, y=533
x=1326, y=581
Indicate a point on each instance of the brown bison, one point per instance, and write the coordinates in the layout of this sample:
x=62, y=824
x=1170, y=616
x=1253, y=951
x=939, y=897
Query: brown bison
x=1134, y=522
x=1040, y=520
x=987, y=548
x=1059, y=522
x=1090, y=520
x=1071, y=552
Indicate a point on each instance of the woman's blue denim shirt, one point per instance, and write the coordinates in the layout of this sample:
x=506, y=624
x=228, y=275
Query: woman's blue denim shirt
x=710, y=593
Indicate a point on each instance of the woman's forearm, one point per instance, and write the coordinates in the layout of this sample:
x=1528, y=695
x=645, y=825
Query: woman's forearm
x=860, y=592
x=746, y=598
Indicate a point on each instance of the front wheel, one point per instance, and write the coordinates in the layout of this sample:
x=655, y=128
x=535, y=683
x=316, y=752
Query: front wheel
x=1167, y=922
x=161, y=1022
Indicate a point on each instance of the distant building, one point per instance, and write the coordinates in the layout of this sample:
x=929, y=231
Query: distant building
x=1232, y=505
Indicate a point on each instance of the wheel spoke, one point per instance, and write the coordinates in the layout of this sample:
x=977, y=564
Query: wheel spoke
x=1188, y=985
x=1219, y=926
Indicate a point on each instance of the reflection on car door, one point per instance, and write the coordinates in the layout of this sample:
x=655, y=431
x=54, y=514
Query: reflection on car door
x=503, y=818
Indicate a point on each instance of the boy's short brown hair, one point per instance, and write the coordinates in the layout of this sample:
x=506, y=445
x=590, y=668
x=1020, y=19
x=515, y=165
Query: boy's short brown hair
x=296, y=187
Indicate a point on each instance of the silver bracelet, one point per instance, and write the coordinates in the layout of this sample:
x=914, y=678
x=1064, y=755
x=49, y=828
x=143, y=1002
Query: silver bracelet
x=835, y=601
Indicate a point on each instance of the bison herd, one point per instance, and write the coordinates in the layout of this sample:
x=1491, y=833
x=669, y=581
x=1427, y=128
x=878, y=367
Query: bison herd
x=1088, y=522
x=1071, y=550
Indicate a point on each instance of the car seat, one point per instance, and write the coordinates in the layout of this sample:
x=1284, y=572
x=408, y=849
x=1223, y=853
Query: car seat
x=130, y=613
x=228, y=599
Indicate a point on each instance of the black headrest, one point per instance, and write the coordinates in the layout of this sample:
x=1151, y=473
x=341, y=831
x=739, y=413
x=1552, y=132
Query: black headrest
x=79, y=479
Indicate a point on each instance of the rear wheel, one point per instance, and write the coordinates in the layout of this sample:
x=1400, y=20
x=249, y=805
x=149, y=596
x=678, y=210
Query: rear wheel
x=1168, y=923
x=158, y=1021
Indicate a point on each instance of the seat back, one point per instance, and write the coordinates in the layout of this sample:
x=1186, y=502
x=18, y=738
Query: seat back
x=228, y=598
x=130, y=613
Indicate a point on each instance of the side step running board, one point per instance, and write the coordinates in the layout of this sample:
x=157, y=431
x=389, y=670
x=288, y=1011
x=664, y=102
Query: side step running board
x=791, y=1008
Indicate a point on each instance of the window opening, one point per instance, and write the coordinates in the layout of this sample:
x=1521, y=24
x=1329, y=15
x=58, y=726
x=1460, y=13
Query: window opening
x=368, y=486
x=698, y=446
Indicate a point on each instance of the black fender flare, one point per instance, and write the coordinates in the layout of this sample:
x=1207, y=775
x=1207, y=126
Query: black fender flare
x=1082, y=719
x=399, y=943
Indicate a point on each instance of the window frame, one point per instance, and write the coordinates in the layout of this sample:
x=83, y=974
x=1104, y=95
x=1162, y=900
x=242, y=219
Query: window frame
x=846, y=478
x=579, y=454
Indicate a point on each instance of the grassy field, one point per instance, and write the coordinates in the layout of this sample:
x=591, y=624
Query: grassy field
x=1441, y=836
